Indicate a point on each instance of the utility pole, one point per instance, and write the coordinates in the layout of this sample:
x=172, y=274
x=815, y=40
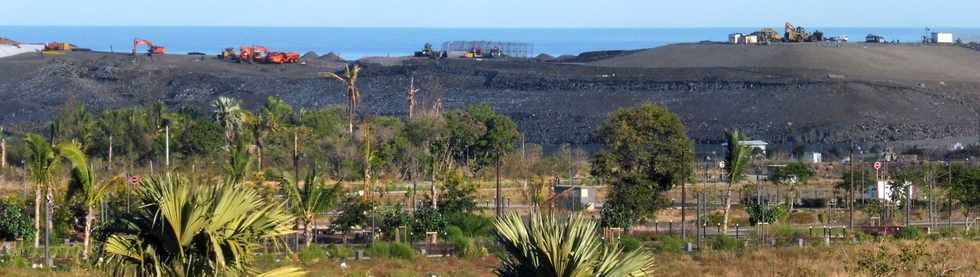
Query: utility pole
x=850, y=189
x=166, y=129
x=110, y=153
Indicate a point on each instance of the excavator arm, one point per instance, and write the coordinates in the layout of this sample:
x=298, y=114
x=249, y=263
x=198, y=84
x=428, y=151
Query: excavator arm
x=153, y=49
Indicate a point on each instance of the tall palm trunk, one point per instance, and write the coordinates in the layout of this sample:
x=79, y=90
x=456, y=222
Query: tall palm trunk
x=308, y=231
x=500, y=204
x=89, y=217
x=728, y=209
x=3, y=150
x=37, y=217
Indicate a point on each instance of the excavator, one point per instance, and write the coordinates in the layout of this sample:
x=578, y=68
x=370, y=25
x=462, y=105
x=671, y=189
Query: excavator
x=426, y=52
x=800, y=34
x=767, y=35
x=228, y=54
x=153, y=49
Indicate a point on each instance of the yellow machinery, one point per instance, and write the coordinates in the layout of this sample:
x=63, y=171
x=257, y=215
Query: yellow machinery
x=767, y=34
x=795, y=34
x=228, y=54
x=57, y=48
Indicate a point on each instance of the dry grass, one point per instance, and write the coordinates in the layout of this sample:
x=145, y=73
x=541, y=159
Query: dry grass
x=419, y=267
x=959, y=258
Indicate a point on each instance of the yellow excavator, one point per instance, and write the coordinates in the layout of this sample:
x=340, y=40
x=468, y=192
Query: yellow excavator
x=57, y=48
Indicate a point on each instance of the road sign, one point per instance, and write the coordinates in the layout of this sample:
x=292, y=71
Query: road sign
x=133, y=180
x=877, y=165
x=721, y=164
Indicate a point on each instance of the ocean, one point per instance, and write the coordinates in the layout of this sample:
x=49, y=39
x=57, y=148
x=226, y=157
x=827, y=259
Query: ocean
x=354, y=43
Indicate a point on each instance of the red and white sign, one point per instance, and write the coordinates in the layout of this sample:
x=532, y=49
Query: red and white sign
x=134, y=180
x=877, y=165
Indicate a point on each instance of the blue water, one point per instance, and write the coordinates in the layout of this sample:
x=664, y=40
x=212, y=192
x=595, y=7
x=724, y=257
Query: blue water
x=353, y=43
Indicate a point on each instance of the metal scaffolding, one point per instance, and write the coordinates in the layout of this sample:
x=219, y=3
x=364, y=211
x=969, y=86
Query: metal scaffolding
x=509, y=49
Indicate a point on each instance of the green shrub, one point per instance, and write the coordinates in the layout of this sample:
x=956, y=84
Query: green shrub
x=909, y=233
x=669, y=244
x=14, y=261
x=471, y=224
x=787, y=231
x=378, y=250
x=312, y=254
x=725, y=243
x=453, y=233
x=715, y=218
x=401, y=250
x=341, y=252
x=14, y=222
x=629, y=243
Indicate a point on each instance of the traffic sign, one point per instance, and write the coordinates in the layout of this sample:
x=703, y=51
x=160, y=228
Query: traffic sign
x=133, y=180
x=877, y=165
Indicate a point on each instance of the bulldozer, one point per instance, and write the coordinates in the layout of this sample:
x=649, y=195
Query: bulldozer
x=282, y=57
x=426, y=52
x=228, y=54
x=795, y=34
x=152, y=49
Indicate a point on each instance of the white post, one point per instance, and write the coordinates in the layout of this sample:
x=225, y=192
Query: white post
x=167, y=146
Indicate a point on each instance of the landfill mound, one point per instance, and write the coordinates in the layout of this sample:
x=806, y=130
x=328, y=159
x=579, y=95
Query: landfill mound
x=7, y=41
x=858, y=60
x=552, y=102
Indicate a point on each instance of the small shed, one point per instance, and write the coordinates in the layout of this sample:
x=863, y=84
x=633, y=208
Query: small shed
x=750, y=39
x=574, y=196
x=942, y=38
x=812, y=157
x=735, y=38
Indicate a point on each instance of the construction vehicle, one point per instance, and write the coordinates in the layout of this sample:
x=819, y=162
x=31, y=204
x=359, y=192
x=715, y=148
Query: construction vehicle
x=426, y=52
x=478, y=53
x=252, y=54
x=57, y=48
x=228, y=54
x=767, y=35
x=152, y=49
x=282, y=57
x=800, y=34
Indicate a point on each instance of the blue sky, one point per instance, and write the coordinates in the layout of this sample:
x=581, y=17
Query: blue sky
x=496, y=13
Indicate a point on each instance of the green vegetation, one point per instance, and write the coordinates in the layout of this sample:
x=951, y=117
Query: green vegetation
x=736, y=161
x=555, y=246
x=645, y=152
x=14, y=222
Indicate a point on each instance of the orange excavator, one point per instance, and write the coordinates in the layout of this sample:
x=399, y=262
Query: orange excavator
x=152, y=50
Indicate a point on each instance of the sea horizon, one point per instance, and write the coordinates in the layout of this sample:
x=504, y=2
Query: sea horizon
x=358, y=42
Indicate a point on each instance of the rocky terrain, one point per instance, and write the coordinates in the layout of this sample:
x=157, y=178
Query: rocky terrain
x=784, y=94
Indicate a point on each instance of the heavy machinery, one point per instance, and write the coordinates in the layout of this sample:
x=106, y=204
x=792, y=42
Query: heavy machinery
x=57, y=48
x=252, y=54
x=282, y=57
x=228, y=54
x=151, y=50
x=800, y=34
x=426, y=52
x=767, y=35
x=478, y=53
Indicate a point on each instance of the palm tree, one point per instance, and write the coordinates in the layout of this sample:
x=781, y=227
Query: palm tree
x=563, y=246
x=3, y=149
x=735, y=163
x=186, y=229
x=83, y=183
x=313, y=198
x=228, y=113
x=266, y=122
x=43, y=165
x=353, y=94
x=239, y=163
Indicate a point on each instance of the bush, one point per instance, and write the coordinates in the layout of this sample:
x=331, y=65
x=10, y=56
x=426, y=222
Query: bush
x=787, y=231
x=669, y=244
x=340, y=252
x=14, y=222
x=813, y=203
x=725, y=243
x=629, y=243
x=311, y=254
x=471, y=224
x=14, y=261
x=909, y=233
x=378, y=250
x=453, y=233
x=400, y=250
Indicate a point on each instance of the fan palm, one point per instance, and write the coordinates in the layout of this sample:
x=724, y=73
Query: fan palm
x=313, y=198
x=736, y=162
x=186, y=229
x=83, y=184
x=228, y=112
x=353, y=93
x=42, y=166
x=239, y=164
x=563, y=246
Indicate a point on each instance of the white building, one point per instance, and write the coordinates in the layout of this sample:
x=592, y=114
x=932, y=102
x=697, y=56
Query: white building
x=942, y=38
x=812, y=157
x=882, y=190
x=752, y=144
x=735, y=38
